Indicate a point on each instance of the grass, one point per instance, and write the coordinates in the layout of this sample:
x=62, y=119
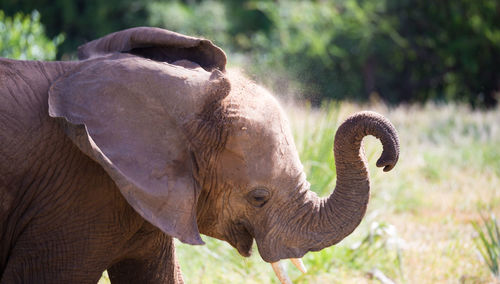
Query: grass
x=488, y=242
x=418, y=226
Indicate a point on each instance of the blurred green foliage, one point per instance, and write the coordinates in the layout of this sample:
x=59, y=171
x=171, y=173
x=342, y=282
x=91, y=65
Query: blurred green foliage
x=397, y=50
x=81, y=20
x=23, y=37
x=400, y=50
x=198, y=21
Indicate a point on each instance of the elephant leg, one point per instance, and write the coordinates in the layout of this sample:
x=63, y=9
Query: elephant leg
x=144, y=271
x=154, y=262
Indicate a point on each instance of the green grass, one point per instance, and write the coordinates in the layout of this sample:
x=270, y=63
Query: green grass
x=488, y=242
x=418, y=225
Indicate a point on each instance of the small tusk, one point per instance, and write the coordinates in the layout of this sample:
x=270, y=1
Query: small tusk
x=281, y=273
x=299, y=264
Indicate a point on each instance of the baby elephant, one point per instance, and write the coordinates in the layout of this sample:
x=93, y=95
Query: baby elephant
x=103, y=161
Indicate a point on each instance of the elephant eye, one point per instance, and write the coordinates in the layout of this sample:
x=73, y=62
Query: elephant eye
x=258, y=197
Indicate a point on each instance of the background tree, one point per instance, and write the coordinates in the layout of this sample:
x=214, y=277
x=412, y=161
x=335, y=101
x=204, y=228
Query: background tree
x=397, y=50
x=81, y=20
x=23, y=37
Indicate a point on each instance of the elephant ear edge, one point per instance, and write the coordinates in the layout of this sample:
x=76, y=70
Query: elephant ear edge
x=159, y=45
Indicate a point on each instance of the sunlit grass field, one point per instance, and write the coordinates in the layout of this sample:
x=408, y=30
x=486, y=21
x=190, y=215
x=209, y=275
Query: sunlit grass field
x=418, y=226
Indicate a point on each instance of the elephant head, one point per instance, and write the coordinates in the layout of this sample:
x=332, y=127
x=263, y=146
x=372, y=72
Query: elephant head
x=194, y=148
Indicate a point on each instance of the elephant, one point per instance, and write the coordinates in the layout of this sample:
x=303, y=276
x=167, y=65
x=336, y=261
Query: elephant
x=147, y=137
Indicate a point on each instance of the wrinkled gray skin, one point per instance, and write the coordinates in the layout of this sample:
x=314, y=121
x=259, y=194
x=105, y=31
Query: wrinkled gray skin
x=104, y=160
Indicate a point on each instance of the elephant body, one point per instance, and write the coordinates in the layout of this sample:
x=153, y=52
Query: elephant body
x=62, y=218
x=103, y=161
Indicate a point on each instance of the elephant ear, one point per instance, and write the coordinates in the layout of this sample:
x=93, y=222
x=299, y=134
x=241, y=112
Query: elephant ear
x=159, y=45
x=133, y=113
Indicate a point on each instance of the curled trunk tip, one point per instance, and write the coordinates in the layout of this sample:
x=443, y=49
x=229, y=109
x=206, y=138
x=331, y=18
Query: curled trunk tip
x=361, y=124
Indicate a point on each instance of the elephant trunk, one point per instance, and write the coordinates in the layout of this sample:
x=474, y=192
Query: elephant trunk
x=340, y=213
x=322, y=222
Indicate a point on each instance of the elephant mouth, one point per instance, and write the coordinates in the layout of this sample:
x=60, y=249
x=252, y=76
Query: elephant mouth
x=272, y=252
x=241, y=238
